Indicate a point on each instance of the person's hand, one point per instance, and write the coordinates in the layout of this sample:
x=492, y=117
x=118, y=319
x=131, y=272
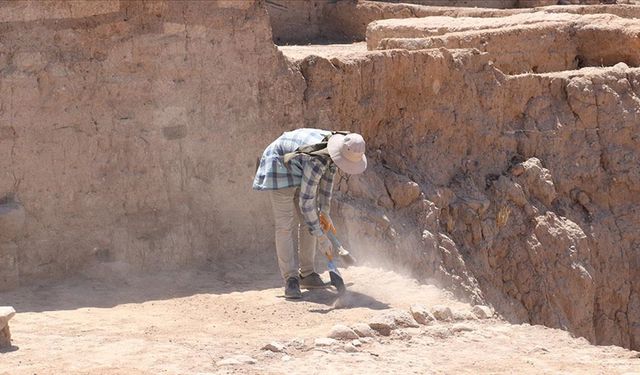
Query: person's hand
x=324, y=245
x=326, y=224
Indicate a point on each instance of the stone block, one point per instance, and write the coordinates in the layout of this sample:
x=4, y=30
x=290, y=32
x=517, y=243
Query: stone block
x=6, y=313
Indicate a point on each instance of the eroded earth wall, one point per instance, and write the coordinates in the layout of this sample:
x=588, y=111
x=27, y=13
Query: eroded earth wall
x=344, y=21
x=528, y=183
x=129, y=132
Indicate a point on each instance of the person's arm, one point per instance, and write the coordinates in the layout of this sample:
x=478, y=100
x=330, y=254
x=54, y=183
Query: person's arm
x=326, y=189
x=312, y=173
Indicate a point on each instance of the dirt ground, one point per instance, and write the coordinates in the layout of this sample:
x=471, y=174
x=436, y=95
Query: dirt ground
x=188, y=322
x=297, y=53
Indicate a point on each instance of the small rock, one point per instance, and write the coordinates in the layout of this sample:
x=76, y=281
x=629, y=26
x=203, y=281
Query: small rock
x=390, y=320
x=356, y=343
x=461, y=327
x=482, y=312
x=245, y=359
x=621, y=66
x=539, y=350
x=228, y=362
x=286, y=358
x=363, y=330
x=237, y=360
x=438, y=332
x=538, y=181
x=441, y=312
x=401, y=334
x=403, y=191
x=402, y=318
x=274, y=346
x=365, y=340
x=297, y=343
x=349, y=348
x=421, y=314
x=383, y=324
x=464, y=315
x=342, y=332
x=325, y=341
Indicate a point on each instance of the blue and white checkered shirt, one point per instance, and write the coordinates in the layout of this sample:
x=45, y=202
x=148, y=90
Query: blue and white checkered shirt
x=314, y=174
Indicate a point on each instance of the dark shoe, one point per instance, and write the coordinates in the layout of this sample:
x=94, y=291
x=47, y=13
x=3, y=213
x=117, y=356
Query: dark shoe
x=313, y=281
x=292, y=289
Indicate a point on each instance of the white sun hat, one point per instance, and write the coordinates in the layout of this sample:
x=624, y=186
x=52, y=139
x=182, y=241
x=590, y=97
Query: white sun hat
x=347, y=151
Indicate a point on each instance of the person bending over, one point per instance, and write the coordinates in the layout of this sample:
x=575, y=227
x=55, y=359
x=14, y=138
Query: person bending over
x=298, y=169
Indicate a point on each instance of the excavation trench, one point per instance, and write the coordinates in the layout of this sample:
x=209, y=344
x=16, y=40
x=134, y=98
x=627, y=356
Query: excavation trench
x=521, y=140
x=122, y=121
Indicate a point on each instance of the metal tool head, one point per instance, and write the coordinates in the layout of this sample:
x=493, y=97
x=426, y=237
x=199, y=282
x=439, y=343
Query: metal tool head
x=346, y=258
x=344, y=254
x=338, y=282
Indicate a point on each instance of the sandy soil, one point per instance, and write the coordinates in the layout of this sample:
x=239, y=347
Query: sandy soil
x=296, y=52
x=187, y=322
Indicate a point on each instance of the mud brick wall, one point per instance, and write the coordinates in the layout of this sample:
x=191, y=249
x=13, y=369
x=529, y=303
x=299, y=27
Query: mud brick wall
x=129, y=131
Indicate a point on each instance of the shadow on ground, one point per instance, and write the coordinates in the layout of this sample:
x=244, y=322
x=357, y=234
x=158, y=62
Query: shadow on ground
x=349, y=300
x=110, y=285
x=113, y=284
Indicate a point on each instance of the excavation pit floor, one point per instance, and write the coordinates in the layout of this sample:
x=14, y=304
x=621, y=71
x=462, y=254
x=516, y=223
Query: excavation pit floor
x=193, y=322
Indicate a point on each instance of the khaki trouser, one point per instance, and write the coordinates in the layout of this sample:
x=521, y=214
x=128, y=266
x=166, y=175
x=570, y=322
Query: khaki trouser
x=289, y=222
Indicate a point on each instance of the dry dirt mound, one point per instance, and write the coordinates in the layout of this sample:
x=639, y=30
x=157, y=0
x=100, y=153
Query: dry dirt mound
x=199, y=323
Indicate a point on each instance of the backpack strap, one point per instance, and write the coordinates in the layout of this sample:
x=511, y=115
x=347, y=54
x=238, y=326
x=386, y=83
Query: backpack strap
x=318, y=149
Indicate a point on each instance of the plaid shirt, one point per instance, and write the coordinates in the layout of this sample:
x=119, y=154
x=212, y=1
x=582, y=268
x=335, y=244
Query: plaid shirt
x=313, y=174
